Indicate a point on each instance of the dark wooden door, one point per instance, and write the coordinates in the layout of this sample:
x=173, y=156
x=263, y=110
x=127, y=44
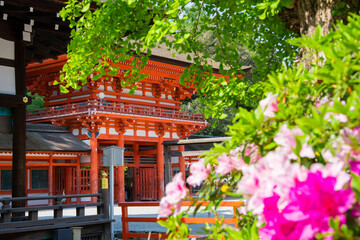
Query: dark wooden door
x=147, y=183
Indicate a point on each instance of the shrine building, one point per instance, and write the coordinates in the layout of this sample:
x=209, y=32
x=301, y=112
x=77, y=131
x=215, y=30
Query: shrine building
x=102, y=114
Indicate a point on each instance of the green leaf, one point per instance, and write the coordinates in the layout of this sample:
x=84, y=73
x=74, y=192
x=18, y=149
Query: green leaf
x=86, y=7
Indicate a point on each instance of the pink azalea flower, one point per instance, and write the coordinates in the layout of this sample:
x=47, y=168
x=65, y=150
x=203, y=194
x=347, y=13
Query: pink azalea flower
x=338, y=116
x=269, y=105
x=286, y=138
x=226, y=163
x=278, y=227
x=318, y=200
x=199, y=172
x=355, y=167
x=176, y=190
x=311, y=205
x=350, y=136
x=322, y=101
x=252, y=151
x=355, y=211
x=271, y=174
x=165, y=208
x=335, y=170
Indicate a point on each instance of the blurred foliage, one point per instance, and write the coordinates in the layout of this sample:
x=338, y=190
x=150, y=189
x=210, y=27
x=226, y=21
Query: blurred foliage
x=37, y=101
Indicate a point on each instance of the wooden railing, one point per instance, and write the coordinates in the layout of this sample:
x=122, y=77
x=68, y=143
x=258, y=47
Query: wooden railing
x=126, y=219
x=11, y=225
x=94, y=106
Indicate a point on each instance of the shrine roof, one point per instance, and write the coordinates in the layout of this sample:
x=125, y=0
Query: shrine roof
x=47, y=138
x=161, y=53
x=40, y=18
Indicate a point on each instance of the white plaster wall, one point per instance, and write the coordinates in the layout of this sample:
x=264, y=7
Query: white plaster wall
x=175, y=135
x=80, y=96
x=84, y=130
x=7, y=49
x=101, y=88
x=129, y=132
x=167, y=103
x=141, y=133
x=112, y=131
x=7, y=80
x=138, y=99
x=110, y=88
x=110, y=96
x=103, y=130
x=126, y=90
x=138, y=92
x=75, y=131
x=167, y=135
x=152, y=134
x=148, y=94
x=84, y=158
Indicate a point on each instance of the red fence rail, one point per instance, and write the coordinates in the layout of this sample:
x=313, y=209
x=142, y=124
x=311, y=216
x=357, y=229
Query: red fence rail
x=94, y=106
x=125, y=219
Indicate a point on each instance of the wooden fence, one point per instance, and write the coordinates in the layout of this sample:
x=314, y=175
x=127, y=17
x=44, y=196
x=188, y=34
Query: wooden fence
x=11, y=225
x=126, y=219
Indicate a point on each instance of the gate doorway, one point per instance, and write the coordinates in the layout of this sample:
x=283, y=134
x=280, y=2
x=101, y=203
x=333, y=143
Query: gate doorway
x=59, y=181
x=147, y=184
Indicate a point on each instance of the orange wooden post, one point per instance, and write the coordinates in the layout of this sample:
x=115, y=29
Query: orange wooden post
x=51, y=178
x=136, y=186
x=121, y=173
x=78, y=178
x=160, y=167
x=182, y=161
x=125, y=224
x=94, y=167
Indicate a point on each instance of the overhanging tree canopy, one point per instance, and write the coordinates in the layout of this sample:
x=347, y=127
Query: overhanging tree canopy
x=119, y=30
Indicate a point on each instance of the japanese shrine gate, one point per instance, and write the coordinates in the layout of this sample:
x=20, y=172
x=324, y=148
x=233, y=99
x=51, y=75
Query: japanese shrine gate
x=102, y=113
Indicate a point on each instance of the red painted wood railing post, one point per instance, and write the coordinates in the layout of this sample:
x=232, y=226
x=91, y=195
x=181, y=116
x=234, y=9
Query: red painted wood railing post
x=125, y=224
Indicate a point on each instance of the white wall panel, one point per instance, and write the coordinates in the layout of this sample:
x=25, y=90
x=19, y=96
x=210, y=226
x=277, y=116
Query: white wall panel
x=7, y=80
x=129, y=132
x=7, y=49
x=141, y=133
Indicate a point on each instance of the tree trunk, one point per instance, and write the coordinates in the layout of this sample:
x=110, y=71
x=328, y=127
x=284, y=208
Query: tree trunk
x=303, y=16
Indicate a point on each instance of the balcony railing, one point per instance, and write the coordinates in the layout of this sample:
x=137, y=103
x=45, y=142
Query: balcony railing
x=95, y=106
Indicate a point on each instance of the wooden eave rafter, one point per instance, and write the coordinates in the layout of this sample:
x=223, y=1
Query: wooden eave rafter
x=49, y=153
x=41, y=20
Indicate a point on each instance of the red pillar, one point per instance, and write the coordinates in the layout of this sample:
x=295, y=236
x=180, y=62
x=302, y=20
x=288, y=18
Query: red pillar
x=160, y=166
x=182, y=161
x=136, y=186
x=94, y=167
x=50, y=178
x=78, y=178
x=121, y=172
